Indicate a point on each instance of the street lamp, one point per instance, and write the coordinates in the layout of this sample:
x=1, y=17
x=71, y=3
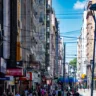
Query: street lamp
x=93, y=8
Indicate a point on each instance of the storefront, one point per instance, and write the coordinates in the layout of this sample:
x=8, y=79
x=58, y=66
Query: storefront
x=2, y=74
x=25, y=82
x=15, y=73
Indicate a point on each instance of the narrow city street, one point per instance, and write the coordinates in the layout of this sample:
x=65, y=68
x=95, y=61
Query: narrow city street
x=86, y=92
x=47, y=47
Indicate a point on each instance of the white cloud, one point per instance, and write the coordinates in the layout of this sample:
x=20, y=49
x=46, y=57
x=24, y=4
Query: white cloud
x=79, y=5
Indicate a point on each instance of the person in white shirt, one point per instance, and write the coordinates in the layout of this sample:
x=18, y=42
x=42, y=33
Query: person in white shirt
x=17, y=94
x=26, y=92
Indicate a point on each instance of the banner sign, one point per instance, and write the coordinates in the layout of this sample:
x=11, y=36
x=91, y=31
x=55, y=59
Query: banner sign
x=5, y=78
x=14, y=72
x=28, y=77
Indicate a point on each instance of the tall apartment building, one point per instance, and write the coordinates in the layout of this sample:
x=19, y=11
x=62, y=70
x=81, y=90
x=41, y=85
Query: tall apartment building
x=52, y=39
x=81, y=60
x=52, y=44
x=60, y=56
x=48, y=29
x=84, y=64
x=40, y=31
x=57, y=50
x=90, y=42
x=79, y=56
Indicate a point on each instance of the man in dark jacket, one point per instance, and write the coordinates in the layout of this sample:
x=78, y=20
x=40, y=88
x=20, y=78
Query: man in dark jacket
x=68, y=93
x=76, y=94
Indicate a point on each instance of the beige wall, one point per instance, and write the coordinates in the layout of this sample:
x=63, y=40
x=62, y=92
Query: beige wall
x=93, y=1
x=90, y=37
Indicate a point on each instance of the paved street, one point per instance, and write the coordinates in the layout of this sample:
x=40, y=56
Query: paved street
x=87, y=92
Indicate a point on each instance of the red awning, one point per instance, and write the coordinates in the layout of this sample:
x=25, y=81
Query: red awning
x=28, y=77
x=23, y=78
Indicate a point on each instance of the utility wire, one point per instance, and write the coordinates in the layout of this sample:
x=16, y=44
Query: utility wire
x=75, y=13
x=37, y=33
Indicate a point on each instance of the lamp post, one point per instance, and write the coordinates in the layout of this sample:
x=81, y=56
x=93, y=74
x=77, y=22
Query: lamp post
x=93, y=8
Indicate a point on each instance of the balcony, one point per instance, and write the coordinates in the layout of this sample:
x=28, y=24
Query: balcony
x=48, y=7
x=48, y=18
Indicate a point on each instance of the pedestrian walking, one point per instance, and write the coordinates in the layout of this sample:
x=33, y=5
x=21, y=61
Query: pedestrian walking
x=34, y=93
x=59, y=93
x=26, y=92
x=30, y=94
x=53, y=93
x=68, y=93
x=9, y=94
x=42, y=92
x=17, y=94
x=4, y=94
x=76, y=94
x=39, y=92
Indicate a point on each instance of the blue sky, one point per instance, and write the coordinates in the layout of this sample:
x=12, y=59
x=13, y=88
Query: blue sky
x=70, y=15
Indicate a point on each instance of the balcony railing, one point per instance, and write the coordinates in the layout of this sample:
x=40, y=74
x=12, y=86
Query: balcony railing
x=48, y=7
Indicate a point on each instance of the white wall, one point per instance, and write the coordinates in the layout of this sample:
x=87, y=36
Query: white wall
x=84, y=42
x=6, y=26
x=81, y=68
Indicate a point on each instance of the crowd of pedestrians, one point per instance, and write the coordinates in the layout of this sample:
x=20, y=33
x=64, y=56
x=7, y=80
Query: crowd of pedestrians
x=46, y=91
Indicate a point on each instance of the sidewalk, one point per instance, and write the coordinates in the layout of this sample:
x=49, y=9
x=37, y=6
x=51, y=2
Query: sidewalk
x=87, y=92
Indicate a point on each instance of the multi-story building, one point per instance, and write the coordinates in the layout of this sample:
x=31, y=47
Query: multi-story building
x=86, y=41
x=81, y=60
x=60, y=56
x=40, y=32
x=30, y=31
x=48, y=29
x=90, y=42
x=79, y=56
x=52, y=43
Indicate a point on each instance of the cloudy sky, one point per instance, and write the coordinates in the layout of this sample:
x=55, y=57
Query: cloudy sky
x=70, y=16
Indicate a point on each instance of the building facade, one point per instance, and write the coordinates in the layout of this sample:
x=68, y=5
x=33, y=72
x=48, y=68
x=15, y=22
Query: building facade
x=79, y=56
x=60, y=56
x=85, y=46
x=90, y=42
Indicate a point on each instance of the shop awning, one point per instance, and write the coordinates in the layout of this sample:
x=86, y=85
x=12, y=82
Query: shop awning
x=68, y=79
x=23, y=78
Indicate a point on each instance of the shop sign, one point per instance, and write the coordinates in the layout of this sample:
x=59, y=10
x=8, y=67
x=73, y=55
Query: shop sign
x=49, y=82
x=5, y=78
x=14, y=72
x=29, y=75
x=2, y=65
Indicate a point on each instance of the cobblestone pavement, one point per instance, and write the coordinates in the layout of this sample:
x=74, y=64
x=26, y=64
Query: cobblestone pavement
x=87, y=92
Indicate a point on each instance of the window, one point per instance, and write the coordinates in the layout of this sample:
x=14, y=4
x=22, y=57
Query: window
x=47, y=45
x=48, y=17
x=48, y=29
x=48, y=51
x=48, y=35
x=48, y=40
